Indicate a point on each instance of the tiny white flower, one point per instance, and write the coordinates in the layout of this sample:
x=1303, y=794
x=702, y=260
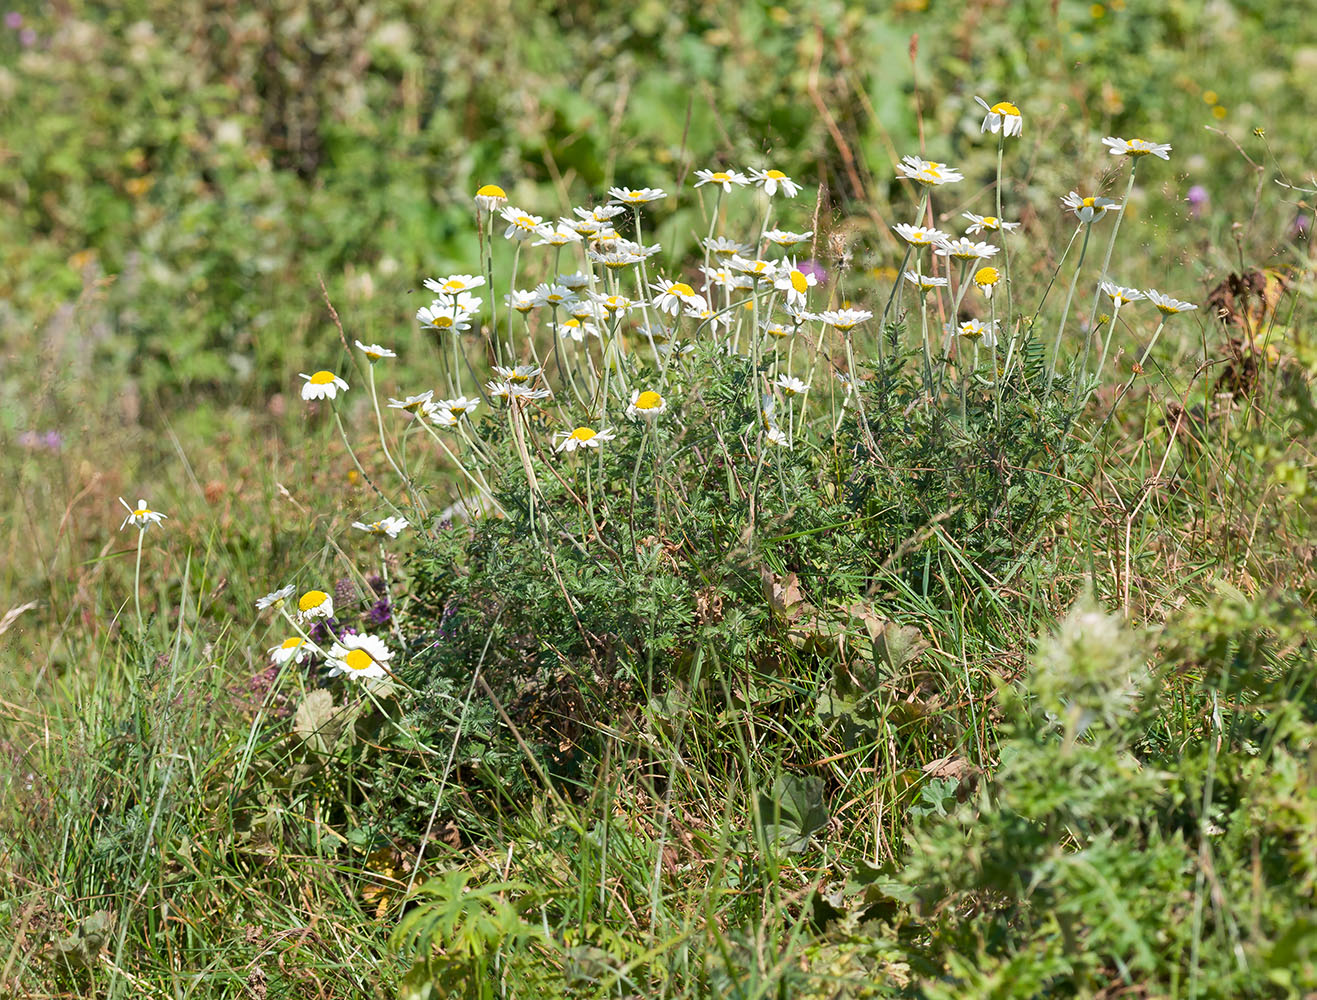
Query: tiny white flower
x=553, y=295
x=791, y=386
x=359, y=657
x=928, y=172
x=390, y=526
x=776, y=436
x=672, y=295
x=785, y=238
x=966, y=249
x=925, y=282
x=522, y=301
x=977, y=330
x=314, y=604
x=771, y=180
x=615, y=259
x=521, y=224
x=555, y=236
x=518, y=375
x=723, y=277
x=374, y=351
x=985, y=223
x=645, y=403
x=447, y=412
x=322, y=385
x=141, y=516
x=1167, y=305
x=779, y=330
x=724, y=178
x=600, y=213
x=577, y=330
x=636, y=196
x=1001, y=117
x=1087, y=209
x=581, y=437
x=1120, y=295
x=614, y=304
x=412, y=404
x=294, y=650
x=920, y=236
x=845, y=319
x=454, y=284
x=756, y=269
x=444, y=316
x=723, y=247
x=575, y=281
x=275, y=599
x=1136, y=147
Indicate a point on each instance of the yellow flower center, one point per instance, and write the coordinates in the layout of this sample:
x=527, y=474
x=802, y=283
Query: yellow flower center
x=454, y=285
x=358, y=659
x=681, y=288
x=1089, y=202
x=141, y=513
x=583, y=433
x=1139, y=147
x=311, y=599
x=775, y=175
x=322, y=378
x=1005, y=108
x=721, y=176
x=292, y=643
x=648, y=400
x=986, y=276
x=799, y=282
x=491, y=191
x=525, y=222
x=443, y=321
x=517, y=378
x=990, y=222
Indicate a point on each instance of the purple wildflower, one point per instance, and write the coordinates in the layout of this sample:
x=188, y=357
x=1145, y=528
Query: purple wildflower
x=1197, y=199
x=815, y=268
x=13, y=20
x=380, y=613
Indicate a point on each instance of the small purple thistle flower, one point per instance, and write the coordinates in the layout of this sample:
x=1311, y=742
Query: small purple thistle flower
x=1197, y=199
x=27, y=38
x=13, y=20
x=1301, y=225
x=815, y=268
x=380, y=613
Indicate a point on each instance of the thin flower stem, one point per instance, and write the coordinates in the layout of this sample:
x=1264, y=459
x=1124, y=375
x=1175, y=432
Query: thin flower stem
x=417, y=504
x=1065, y=312
x=1001, y=230
x=338, y=419
x=1106, y=262
x=137, y=579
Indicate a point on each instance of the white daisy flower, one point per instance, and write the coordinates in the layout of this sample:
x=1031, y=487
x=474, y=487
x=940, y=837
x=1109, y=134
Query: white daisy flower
x=615, y=259
x=845, y=319
x=778, y=330
x=977, y=330
x=925, y=282
x=521, y=224
x=786, y=238
x=577, y=330
x=322, y=385
x=756, y=269
x=1087, y=209
x=141, y=516
x=920, y=236
x=314, y=604
x=636, y=196
x=1120, y=295
x=586, y=227
x=986, y=278
x=511, y=391
x=982, y=223
x=359, y=657
x=447, y=412
x=646, y=403
x=614, y=305
x=791, y=386
x=1001, y=117
x=523, y=302
x=966, y=249
x=776, y=436
x=490, y=197
x=723, y=277
x=771, y=180
x=722, y=247
x=412, y=404
x=927, y=171
x=1136, y=147
x=679, y=349
x=519, y=375
x=718, y=320
x=390, y=526
x=600, y=213
x=275, y=599
x=581, y=437
x=798, y=313
x=672, y=295
x=454, y=284
x=794, y=282
x=294, y=650
x=725, y=178
x=1167, y=305
x=555, y=236
x=444, y=317
x=374, y=351
x=575, y=281
x=555, y=295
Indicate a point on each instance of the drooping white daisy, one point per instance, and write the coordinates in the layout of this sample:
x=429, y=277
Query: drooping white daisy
x=314, y=604
x=390, y=526
x=724, y=178
x=359, y=657
x=1167, y=305
x=555, y=236
x=374, y=352
x=581, y=437
x=521, y=224
x=722, y=247
x=925, y=282
x=453, y=284
x=275, y=599
x=986, y=223
x=786, y=238
x=412, y=404
x=794, y=282
x=791, y=386
x=636, y=196
x=986, y=278
x=679, y=349
x=1001, y=117
x=553, y=295
x=845, y=319
x=522, y=301
x=574, y=281
x=772, y=180
x=294, y=650
x=322, y=385
x=519, y=375
x=777, y=436
x=966, y=249
x=645, y=403
x=928, y=172
x=672, y=295
x=511, y=391
x=141, y=516
x=1136, y=147
x=447, y=412
x=920, y=236
x=756, y=269
x=778, y=330
x=1120, y=295
x=490, y=197
x=978, y=331
x=1087, y=209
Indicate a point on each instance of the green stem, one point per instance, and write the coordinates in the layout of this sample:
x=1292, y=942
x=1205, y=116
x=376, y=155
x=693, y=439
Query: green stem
x=137, y=580
x=1065, y=312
